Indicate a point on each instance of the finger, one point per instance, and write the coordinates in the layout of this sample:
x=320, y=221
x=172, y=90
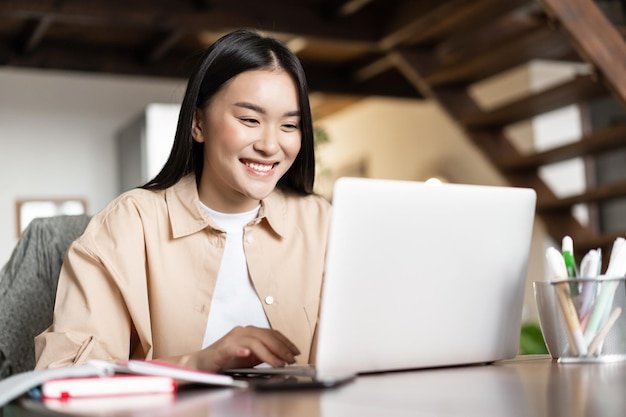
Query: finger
x=266, y=345
x=225, y=354
x=265, y=353
x=276, y=343
x=288, y=343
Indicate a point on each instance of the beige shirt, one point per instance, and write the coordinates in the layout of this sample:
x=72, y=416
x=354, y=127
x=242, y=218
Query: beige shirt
x=139, y=282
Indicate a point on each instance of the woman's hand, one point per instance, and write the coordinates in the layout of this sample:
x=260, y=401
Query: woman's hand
x=245, y=347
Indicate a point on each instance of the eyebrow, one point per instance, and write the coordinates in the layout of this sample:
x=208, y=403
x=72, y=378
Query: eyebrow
x=261, y=110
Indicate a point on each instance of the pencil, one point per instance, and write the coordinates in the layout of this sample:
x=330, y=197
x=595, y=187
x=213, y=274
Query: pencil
x=571, y=318
x=594, y=347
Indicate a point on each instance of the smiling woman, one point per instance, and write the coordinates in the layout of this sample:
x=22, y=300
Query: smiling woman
x=251, y=138
x=217, y=262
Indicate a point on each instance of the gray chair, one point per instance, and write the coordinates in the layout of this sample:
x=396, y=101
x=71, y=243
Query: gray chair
x=28, y=283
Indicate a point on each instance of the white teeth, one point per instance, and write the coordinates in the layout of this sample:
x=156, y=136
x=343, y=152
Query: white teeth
x=259, y=167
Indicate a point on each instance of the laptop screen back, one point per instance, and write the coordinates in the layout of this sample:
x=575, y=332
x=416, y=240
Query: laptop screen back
x=423, y=276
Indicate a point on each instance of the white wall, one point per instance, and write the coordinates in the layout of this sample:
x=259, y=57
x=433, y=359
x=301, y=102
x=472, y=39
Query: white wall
x=57, y=136
x=404, y=139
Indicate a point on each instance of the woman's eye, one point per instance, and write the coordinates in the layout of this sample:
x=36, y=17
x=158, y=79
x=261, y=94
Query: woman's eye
x=249, y=122
x=290, y=126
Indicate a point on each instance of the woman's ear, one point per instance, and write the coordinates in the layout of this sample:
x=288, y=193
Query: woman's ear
x=197, y=127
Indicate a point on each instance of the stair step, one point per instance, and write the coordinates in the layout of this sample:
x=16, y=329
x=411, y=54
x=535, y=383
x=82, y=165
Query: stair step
x=604, y=140
x=593, y=195
x=578, y=90
x=539, y=42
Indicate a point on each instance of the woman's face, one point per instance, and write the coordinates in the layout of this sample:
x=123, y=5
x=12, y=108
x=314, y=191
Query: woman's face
x=251, y=135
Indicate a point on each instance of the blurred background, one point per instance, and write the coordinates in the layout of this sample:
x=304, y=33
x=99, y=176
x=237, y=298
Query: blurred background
x=495, y=92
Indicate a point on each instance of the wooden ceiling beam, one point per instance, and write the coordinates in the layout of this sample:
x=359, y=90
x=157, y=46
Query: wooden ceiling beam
x=35, y=33
x=350, y=7
x=166, y=43
x=596, y=39
x=203, y=4
x=109, y=60
x=341, y=81
x=289, y=18
x=173, y=65
x=373, y=69
x=415, y=24
x=458, y=48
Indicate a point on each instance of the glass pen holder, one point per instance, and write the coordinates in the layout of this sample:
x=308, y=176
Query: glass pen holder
x=583, y=319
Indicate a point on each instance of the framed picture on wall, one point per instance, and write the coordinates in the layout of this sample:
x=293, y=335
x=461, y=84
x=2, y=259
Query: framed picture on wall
x=28, y=209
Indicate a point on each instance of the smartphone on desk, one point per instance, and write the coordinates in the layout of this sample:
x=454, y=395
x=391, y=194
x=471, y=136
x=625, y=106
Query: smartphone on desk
x=295, y=382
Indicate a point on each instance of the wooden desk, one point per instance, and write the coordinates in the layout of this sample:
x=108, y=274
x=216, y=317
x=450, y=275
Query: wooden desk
x=528, y=386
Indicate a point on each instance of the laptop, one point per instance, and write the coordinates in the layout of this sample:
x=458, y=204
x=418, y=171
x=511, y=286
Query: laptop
x=421, y=276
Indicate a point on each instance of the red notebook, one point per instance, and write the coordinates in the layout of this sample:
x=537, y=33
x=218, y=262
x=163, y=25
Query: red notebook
x=16, y=385
x=106, y=386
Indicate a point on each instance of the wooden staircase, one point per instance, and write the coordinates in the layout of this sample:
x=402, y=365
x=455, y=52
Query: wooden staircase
x=456, y=44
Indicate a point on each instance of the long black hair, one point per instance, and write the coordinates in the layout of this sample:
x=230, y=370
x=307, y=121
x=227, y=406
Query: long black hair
x=234, y=53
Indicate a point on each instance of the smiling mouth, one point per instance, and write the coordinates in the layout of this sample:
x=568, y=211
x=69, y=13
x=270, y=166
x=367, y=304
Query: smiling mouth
x=256, y=166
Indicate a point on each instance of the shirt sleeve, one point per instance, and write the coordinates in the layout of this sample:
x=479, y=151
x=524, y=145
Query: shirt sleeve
x=103, y=273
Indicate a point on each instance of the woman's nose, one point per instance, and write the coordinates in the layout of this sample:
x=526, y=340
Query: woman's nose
x=267, y=142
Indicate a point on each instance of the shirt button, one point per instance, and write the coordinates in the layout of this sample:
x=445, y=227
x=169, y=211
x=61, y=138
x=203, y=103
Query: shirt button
x=249, y=239
x=269, y=300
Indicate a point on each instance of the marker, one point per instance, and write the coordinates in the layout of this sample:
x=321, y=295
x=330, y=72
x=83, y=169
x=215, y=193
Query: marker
x=559, y=270
x=594, y=347
x=616, y=269
x=567, y=250
x=588, y=269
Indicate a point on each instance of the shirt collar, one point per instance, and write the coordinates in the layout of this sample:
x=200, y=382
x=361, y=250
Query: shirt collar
x=274, y=211
x=187, y=217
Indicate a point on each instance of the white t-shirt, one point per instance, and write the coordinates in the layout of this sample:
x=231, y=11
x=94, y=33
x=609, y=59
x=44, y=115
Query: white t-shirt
x=235, y=302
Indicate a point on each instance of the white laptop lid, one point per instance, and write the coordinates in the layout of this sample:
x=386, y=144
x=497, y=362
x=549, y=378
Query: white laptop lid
x=423, y=276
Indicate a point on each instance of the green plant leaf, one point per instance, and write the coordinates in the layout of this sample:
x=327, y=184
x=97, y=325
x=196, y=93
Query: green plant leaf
x=531, y=340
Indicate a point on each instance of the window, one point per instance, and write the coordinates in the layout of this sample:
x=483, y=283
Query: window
x=29, y=209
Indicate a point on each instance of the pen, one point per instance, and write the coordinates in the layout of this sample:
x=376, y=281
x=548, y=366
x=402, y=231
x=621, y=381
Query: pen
x=559, y=270
x=567, y=250
x=588, y=269
x=594, y=347
x=616, y=269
